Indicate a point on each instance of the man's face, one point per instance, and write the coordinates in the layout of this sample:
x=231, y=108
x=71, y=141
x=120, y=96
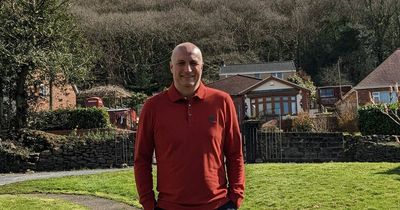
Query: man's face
x=186, y=67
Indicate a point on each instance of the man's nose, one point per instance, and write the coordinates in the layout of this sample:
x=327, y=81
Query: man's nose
x=188, y=68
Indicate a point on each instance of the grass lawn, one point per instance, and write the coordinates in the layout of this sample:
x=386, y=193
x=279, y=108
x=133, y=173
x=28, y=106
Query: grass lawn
x=268, y=186
x=23, y=202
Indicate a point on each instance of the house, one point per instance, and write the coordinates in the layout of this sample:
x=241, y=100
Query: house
x=380, y=86
x=234, y=85
x=280, y=70
x=44, y=94
x=268, y=98
x=327, y=96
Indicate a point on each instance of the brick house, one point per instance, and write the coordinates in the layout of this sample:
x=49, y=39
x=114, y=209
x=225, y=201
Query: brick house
x=380, y=86
x=268, y=98
x=45, y=95
x=280, y=70
x=327, y=96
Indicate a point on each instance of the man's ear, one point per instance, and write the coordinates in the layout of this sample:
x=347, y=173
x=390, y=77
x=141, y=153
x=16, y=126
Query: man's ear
x=170, y=66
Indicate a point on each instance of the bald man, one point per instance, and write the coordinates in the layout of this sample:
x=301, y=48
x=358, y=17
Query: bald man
x=195, y=134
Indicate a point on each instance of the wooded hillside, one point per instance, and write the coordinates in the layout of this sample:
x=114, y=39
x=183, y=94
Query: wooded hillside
x=134, y=38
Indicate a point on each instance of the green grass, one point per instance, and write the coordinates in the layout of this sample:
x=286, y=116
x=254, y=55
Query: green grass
x=268, y=186
x=23, y=202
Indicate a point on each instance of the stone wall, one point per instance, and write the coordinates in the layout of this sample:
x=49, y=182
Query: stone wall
x=374, y=148
x=104, y=154
x=299, y=147
x=325, y=147
x=74, y=155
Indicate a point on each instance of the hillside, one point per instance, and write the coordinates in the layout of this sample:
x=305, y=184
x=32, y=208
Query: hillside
x=134, y=38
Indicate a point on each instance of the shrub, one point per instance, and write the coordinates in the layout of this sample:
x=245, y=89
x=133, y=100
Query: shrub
x=348, y=120
x=303, y=123
x=68, y=119
x=325, y=123
x=373, y=120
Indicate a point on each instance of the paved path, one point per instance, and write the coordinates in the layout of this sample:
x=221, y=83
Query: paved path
x=91, y=202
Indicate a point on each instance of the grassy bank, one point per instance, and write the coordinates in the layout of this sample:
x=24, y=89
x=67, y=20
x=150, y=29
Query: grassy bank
x=268, y=186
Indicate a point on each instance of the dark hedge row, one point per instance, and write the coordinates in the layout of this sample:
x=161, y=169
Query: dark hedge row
x=373, y=120
x=68, y=119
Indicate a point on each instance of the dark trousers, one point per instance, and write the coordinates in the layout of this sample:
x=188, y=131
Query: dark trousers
x=228, y=206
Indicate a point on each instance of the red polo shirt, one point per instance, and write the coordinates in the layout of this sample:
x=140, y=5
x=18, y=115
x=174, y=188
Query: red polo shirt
x=190, y=138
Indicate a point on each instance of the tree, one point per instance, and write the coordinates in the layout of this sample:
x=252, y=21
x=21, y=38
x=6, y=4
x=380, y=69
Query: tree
x=303, y=80
x=39, y=36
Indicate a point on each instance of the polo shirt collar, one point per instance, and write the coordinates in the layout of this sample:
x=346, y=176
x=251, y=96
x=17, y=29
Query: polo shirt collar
x=174, y=94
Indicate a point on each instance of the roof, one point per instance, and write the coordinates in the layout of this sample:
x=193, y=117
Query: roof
x=276, y=79
x=235, y=84
x=385, y=75
x=106, y=91
x=258, y=68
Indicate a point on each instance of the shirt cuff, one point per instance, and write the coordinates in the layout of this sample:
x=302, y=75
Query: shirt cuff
x=236, y=199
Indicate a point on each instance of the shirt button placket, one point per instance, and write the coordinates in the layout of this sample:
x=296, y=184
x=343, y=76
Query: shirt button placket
x=189, y=114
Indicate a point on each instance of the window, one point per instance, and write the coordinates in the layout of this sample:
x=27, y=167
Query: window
x=277, y=105
x=277, y=75
x=293, y=104
x=384, y=97
x=268, y=105
x=324, y=93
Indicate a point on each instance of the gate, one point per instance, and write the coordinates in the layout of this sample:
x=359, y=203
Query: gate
x=124, y=146
x=261, y=145
x=271, y=142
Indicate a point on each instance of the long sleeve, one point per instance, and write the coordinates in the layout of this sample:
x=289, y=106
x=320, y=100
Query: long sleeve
x=234, y=155
x=144, y=147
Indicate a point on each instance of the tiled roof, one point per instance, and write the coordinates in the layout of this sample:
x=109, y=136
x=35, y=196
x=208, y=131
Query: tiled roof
x=385, y=75
x=258, y=67
x=235, y=84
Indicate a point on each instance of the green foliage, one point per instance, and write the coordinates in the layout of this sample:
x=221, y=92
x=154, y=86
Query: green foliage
x=303, y=123
x=96, y=135
x=137, y=99
x=372, y=119
x=303, y=80
x=39, y=37
x=68, y=119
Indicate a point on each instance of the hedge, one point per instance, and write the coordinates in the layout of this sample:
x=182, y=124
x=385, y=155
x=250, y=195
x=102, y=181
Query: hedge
x=372, y=120
x=68, y=119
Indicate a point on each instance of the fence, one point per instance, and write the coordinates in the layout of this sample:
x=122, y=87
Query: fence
x=275, y=146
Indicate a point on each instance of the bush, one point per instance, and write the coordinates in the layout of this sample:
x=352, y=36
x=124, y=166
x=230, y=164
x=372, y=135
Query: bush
x=68, y=119
x=303, y=123
x=373, y=120
x=348, y=120
x=325, y=123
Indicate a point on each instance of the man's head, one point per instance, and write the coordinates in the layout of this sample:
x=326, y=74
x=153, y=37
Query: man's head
x=186, y=67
